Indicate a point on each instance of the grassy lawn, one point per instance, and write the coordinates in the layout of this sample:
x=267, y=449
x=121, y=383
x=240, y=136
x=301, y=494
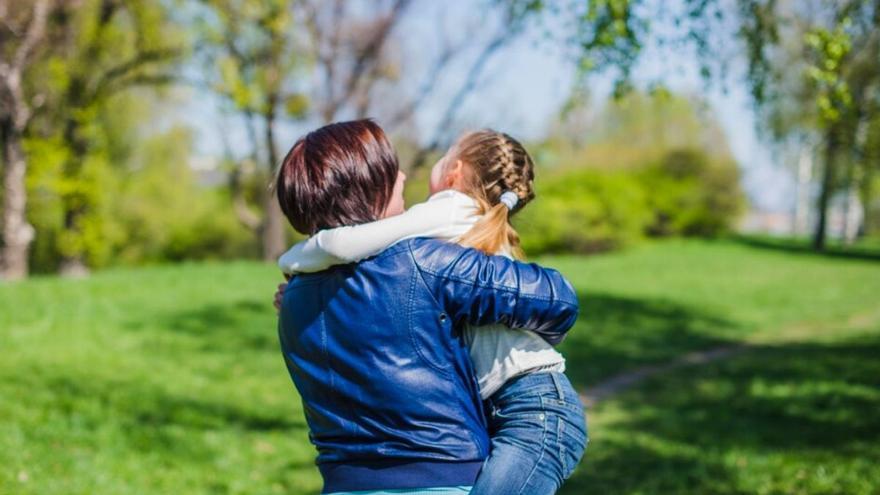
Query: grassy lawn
x=169, y=379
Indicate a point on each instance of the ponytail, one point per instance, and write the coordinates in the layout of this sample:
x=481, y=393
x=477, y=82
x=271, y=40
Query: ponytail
x=493, y=233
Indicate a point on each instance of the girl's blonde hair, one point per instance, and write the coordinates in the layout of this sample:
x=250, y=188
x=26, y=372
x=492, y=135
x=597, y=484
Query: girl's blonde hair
x=494, y=163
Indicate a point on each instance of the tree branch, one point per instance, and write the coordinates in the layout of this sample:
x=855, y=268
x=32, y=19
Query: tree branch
x=328, y=60
x=425, y=90
x=34, y=33
x=367, y=57
x=473, y=76
x=124, y=72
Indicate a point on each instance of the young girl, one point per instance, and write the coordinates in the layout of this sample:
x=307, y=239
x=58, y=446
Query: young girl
x=536, y=421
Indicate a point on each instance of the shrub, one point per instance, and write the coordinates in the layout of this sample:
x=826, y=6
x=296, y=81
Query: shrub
x=588, y=210
x=583, y=211
x=691, y=195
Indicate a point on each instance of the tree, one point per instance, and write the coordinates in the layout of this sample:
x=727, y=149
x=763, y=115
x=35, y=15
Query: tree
x=357, y=54
x=839, y=77
x=318, y=62
x=253, y=48
x=811, y=66
x=350, y=53
x=102, y=48
x=21, y=35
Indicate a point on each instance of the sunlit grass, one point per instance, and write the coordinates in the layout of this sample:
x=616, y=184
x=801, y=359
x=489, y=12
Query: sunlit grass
x=169, y=379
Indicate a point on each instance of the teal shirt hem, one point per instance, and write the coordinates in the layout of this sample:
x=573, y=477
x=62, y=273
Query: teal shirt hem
x=442, y=490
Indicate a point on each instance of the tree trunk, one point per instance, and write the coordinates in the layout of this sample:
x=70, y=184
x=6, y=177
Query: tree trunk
x=17, y=232
x=273, y=225
x=802, y=204
x=826, y=189
x=74, y=265
x=866, y=194
x=15, y=114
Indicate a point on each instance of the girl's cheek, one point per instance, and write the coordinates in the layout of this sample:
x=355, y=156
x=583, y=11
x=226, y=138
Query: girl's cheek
x=435, y=182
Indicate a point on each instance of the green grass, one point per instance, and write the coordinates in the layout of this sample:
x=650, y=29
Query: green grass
x=793, y=419
x=169, y=379
x=159, y=380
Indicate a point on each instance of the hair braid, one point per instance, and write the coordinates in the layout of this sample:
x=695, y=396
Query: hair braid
x=497, y=163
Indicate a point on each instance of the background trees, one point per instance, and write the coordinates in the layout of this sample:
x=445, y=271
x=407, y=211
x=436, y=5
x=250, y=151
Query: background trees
x=90, y=51
x=90, y=88
x=252, y=55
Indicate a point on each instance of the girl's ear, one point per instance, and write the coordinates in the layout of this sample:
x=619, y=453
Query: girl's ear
x=455, y=173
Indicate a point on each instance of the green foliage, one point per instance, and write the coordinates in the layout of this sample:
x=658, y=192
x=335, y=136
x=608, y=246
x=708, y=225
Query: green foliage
x=811, y=66
x=690, y=195
x=630, y=131
x=145, y=207
x=45, y=212
x=655, y=166
x=583, y=211
x=587, y=210
x=830, y=49
x=98, y=232
x=168, y=217
x=100, y=50
x=252, y=46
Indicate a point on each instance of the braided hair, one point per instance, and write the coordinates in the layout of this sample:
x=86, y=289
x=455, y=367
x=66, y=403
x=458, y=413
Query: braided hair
x=495, y=163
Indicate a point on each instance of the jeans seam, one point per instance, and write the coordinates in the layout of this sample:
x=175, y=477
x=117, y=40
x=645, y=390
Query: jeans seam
x=541, y=457
x=560, y=437
x=559, y=390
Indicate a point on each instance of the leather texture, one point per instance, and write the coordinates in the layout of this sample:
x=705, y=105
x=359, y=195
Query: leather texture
x=375, y=350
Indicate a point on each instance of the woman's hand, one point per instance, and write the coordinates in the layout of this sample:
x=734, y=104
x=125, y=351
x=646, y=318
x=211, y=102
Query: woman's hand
x=279, y=295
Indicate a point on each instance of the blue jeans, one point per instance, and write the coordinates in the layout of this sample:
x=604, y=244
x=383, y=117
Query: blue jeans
x=539, y=433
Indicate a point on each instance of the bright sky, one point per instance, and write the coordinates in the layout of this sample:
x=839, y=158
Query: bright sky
x=524, y=88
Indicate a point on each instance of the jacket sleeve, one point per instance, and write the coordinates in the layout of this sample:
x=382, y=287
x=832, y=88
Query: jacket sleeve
x=479, y=289
x=445, y=215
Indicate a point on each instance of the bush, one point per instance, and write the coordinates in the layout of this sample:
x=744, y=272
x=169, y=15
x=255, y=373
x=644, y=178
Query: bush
x=691, y=195
x=584, y=211
x=588, y=210
x=167, y=216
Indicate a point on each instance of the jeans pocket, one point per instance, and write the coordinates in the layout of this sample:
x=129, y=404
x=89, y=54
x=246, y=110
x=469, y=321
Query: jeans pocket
x=523, y=407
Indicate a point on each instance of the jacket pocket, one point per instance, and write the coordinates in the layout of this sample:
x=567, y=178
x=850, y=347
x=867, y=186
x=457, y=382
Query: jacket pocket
x=422, y=319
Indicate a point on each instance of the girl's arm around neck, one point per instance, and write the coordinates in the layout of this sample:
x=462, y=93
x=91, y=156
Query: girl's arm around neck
x=446, y=215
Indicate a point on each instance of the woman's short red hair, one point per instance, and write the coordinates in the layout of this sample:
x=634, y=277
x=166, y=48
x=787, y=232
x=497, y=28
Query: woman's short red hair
x=340, y=174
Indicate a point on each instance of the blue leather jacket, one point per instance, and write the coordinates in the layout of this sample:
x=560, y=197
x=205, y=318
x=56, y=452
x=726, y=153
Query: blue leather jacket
x=375, y=351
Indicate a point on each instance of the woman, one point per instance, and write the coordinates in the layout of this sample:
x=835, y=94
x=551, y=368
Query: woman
x=536, y=421
x=374, y=348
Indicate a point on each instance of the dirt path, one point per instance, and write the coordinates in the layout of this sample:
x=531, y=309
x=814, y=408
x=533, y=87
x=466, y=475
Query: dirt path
x=617, y=384
x=793, y=333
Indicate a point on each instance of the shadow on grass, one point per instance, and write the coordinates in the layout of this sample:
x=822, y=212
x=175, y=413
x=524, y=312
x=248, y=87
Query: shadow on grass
x=142, y=405
x=617, y=334
x=153, y=418
x=122, y=421
x=244, y=324
x=799, y=246
x=790, y=419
